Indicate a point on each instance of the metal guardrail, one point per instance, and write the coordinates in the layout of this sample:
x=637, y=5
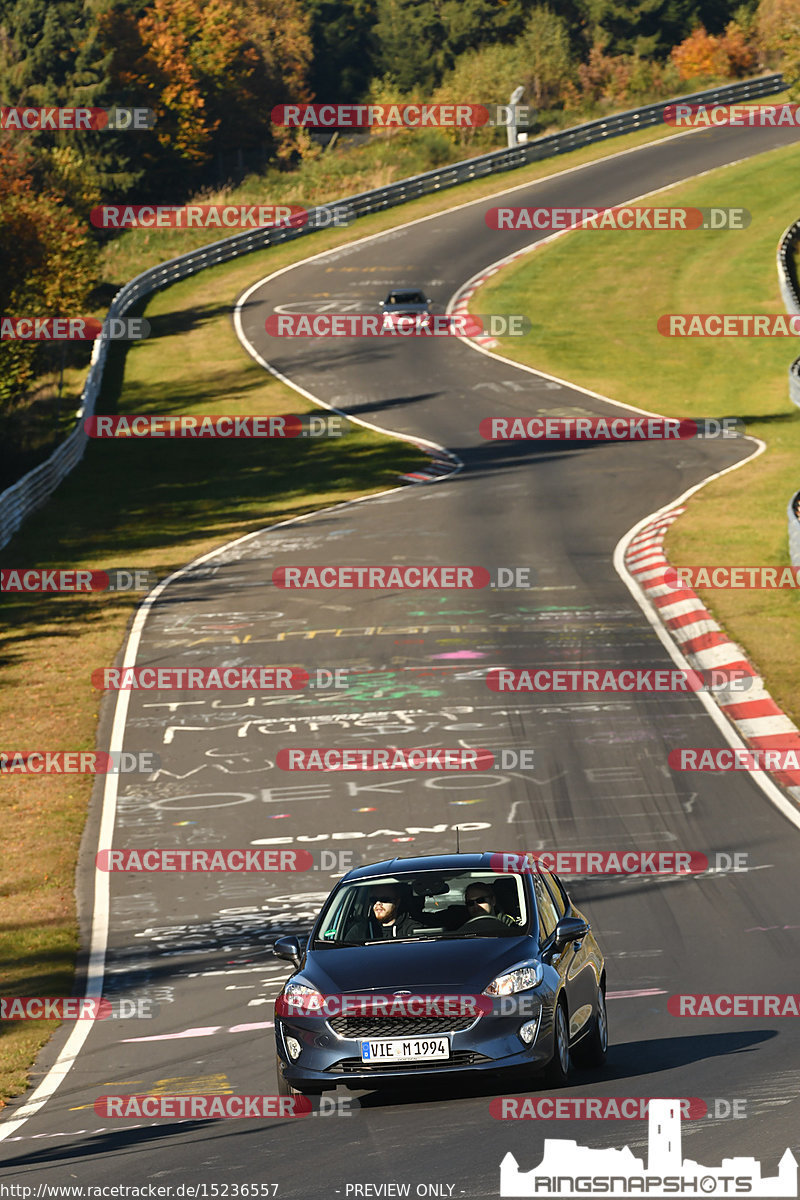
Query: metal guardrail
x=791, y=296
x=794, y=530
x=791, y=299
x=33, y=489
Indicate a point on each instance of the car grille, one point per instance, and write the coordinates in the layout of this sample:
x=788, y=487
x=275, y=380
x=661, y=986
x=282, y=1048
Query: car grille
x=460, y=1058
x=372, y=1027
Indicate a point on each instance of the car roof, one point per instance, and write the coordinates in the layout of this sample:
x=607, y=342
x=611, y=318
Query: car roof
x=429, y=862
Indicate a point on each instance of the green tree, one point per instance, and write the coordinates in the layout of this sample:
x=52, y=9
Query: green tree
x=650, y=27
x=52, y=54
x=546, y=60
x=343, y=42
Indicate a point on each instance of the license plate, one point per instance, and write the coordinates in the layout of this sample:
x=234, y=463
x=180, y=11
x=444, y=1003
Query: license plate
x=404, y=1049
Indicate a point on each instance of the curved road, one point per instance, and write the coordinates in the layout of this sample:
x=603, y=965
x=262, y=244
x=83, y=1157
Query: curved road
x=198, y=946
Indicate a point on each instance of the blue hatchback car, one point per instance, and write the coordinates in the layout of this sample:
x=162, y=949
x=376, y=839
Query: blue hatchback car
x=440, y=965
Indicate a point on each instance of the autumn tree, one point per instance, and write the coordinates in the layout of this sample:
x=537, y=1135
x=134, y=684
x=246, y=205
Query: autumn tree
x=778, y=34
x=47, y=262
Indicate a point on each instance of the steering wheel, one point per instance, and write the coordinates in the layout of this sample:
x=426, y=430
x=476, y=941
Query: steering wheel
x=484, y=922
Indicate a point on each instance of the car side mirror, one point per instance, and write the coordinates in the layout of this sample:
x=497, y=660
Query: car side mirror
x=288, y=948
x=570, y=929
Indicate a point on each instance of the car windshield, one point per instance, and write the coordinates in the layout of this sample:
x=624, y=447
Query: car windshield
x=406, y=298
x=424, y=905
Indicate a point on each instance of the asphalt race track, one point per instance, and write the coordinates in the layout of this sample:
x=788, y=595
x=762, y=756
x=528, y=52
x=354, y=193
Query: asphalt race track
x=198, y=946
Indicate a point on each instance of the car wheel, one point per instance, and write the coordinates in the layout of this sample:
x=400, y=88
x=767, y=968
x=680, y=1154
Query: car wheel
x=591, y=1051
x=286, y=1089
x=557, y=1072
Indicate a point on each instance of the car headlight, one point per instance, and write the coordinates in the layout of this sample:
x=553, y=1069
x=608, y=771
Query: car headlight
x=518, y=980
x=303, y=998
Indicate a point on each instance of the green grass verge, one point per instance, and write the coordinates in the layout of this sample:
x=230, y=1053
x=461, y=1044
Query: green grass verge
x=602, y=335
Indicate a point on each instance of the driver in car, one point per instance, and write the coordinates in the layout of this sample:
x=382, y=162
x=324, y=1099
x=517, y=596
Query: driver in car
x=481, y=901
x=385, y=919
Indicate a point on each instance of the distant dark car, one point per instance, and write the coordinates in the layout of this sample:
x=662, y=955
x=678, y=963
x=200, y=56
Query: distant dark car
x=405, y=302
x=364, y=1008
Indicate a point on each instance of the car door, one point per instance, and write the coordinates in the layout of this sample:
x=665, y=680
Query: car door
x=573, y=962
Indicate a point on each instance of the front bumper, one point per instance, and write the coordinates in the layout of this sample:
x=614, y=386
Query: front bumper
x=490, y=1043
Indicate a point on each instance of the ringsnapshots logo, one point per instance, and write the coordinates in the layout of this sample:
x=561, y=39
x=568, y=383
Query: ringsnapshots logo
x=602, y=429
x=567, y=1169
x=400, y=116
x=622, y=217
x=73, y=329
x=543, y=681
x=113, y=579
x=57, y=120
x=396, y=324
x=405, y=577
x=78, y=762
x=304, y=425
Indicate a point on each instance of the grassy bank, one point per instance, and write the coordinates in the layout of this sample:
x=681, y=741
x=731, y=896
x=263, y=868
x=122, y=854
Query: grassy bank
x=603, y=336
